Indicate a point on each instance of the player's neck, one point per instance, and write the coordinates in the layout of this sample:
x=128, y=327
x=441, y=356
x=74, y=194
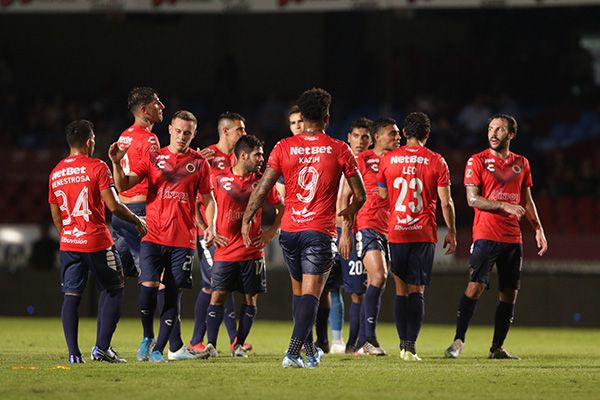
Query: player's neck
x=224, y=146
x=141, y=121
x=79, y=152
x=173, y=150
x=380, y=151
x=311, y=128
x=413, y=142
x=501, y=154
x=238, y=169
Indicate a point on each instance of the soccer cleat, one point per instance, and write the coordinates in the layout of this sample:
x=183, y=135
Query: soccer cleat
x=323, y=346
x=143, y=352
x=246, y=346
x=454, y=350
x=349, y=349
x=208, y=352
x=109, y=355
x=76, y=359
x=402, y=352
x=290, y=361
x=196, y=348
x=239, y=351
x=373, y=349
x=313, y=362
x=408, y=356
x=337, y=347
x=157, y=357
x=184, y=353
x=501, y=354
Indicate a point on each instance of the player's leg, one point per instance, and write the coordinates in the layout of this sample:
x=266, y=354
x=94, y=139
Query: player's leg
x=150, y=271
x=253, y=280
x=205, y=256
x=73, y=280
x=509, y=274
x=482, y=259
x=375, y=263
x=321, y=326
x=230, y=319
x=128, y=241
x=354, y=278
x=336, y=320
x=107, y=269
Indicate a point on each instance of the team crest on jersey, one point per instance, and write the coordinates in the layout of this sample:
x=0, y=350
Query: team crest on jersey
x=190, y=167
x=469, y=173
x=516, y=169
x=153, y=148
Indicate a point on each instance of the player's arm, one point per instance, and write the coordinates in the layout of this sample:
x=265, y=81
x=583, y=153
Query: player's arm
x=210, y=206
x=117, y=208
x=359, y=196
x=534, y=219
x=56, y=217
x=449, y=214
x=269, y=234
x=256, y=201
x=122, y=181
x=280, y=188
x=200, y=221
x=475, y=200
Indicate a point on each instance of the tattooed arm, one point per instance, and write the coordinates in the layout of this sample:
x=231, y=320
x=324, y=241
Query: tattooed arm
x=257, y=198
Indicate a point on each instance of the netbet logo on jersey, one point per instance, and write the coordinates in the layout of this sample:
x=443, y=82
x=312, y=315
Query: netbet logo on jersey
x=67, y=176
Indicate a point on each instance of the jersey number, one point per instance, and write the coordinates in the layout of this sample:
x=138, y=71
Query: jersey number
x=81, y=209
x=307, y=180
x=125, y=164
x=356, y=268
x=416, y=186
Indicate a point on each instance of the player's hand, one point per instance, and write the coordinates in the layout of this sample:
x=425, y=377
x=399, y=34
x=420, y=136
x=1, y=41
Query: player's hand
x=513, y=209
x=345, y=245
x=246, y=234
x=209, y=236
x=207, y=153
x=542, y=243
x=116, y=152
x=141, y=226
x=221, y=241
x=450, y=242
x=347, y=215
x=265, y=237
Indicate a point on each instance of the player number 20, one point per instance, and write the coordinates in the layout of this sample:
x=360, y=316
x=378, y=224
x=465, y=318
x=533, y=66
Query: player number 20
x=356, y=267
x=307, y=180
x=416, y=186
x=81, y=209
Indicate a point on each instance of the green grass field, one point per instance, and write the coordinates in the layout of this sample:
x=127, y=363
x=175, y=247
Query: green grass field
x=556, y=364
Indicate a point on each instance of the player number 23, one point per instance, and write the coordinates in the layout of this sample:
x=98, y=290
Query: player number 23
x=416, y=186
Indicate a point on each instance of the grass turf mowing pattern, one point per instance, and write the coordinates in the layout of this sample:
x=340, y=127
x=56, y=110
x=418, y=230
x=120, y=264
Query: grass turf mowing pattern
x=557, y=363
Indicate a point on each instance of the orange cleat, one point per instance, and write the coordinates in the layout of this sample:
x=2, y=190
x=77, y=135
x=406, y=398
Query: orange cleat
x=197, y=348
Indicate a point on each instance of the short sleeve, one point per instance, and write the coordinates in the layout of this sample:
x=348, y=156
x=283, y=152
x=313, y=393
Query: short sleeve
x=528, y=181
x=51, y=197
x=443, y=173
x=142, y=167
x=275, y=158
x=381, y=179
x=348, y=161
x=104, y=176
x=206, y=185
x=473, y=172
x=273, y=197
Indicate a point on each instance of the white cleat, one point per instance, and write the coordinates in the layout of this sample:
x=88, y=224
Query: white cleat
x=337, y=347
x=182, y=354
x=239, y=351
x=408, y=356
x=290, y=361
x=208, y=352
x=454, y=350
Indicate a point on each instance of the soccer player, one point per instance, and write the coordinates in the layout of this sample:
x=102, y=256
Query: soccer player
x=79, y=188
x=147, y=110
x=353, y=273
x=413, y=177
x=498, y=184
x=296, y=127
x=176, y=175
x=236, y=266
x=221, y=156
x=371, y=237
x=312, y=164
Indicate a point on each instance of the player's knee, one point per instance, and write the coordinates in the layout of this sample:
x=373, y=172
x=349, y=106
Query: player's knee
x=150, y=284
x=475, y=290
x=508, y=296
x=250, y=299
x=356, y=298
x=218, y=297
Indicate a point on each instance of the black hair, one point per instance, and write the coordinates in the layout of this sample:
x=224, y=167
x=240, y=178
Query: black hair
x=293, y=110
x=417, y=125
x=247, y=144
x=231, y=116
x=140, y=96
x=380, y=123
x=78, y=132
x=314, y=104
x=512, y=122
x=362, y=122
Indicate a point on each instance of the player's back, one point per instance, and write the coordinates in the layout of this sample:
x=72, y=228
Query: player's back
x=311, y=166
x=375, y=213
x=75, y=186
x=412, y=175
x=140, y=141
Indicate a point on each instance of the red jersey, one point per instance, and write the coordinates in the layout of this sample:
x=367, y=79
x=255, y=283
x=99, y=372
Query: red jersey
x=220, y=162
x=312, y=166
x=232, y=193
x=174, y=181
x=375, y=213
x=140, y=141
x=75, y=186
x=412, y=176
x=498, y=180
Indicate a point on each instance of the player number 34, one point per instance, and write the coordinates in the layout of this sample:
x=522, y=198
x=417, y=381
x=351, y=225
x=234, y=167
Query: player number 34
x=81, y=208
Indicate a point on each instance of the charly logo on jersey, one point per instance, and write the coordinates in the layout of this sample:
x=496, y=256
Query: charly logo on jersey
x=310, y=137
x=190, y=167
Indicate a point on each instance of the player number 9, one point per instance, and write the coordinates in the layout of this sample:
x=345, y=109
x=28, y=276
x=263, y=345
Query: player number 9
x=307, y=180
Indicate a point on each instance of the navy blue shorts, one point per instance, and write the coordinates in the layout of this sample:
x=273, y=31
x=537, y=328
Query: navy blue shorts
x=248, y=277
x=127, y=240
x=369, y=239
x=354, y=275
x=105, y=265
x=205, y=255
x=307, y=252
x=508, y=258
x=412, y=262
x=335, y=280
x=173, y=264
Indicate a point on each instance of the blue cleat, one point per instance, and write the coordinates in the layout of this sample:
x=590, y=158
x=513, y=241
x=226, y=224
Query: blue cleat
x=76, y=359
x=157, y=357
x=143, y=353
x=290, y=361
x=109, y=355
x=313, y=362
